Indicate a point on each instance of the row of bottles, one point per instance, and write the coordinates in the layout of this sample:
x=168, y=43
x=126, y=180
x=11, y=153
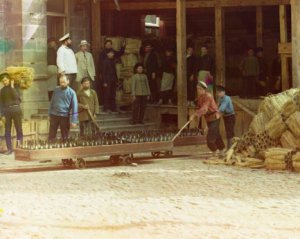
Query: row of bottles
x=109, y=138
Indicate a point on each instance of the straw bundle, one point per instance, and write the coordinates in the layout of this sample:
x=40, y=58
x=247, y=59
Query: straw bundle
x=133, y=46
x=116, y=42
x=275, y=158
x=251, y=163
x=127, y=85
x=129, y=60
x=22, y=76
x=289, y=108
x=258, y=123
x=126, y=72
x=296, y=162
x=289, y=141
x=118, y=70
x=275, y=127
x=293, y=122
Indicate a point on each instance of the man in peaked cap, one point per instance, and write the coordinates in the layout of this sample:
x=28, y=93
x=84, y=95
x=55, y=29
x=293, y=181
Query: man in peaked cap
x=85, y=63
x=66, y=61
x=209, y=109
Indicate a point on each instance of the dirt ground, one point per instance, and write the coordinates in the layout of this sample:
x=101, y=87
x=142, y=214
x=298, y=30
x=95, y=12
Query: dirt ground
x=179, y=197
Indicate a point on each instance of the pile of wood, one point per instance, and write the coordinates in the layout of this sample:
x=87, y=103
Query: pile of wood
x=273, y=139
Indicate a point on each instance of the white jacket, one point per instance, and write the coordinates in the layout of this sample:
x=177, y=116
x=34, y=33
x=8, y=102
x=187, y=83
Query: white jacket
x=85, y=63
x=66, y=61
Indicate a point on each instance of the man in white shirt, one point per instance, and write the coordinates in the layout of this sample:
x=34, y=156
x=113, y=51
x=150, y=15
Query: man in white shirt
x=85, y=63
x=66, y=61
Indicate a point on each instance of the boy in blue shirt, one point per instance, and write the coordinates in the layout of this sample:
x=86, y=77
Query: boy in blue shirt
x=227, y=110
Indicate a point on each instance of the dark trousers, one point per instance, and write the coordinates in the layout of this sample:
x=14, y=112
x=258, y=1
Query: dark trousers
x=153, y=89
x=109, y=96
x=138, y=111
x=214, y=139
x=191, y=90
x=87, y=128
x=13, y=113
x=249, y=86
x=63, y=123
x=229, y=122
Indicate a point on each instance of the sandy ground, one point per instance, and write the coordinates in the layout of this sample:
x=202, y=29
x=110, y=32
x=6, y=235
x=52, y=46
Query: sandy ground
x=166, y=198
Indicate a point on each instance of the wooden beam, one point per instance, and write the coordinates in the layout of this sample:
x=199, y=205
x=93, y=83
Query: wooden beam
x=109, y=5
x=259, y=26
x=220, y=46
x=96, y=31
x=181, y=62
x=295, y=6
x=284, y=48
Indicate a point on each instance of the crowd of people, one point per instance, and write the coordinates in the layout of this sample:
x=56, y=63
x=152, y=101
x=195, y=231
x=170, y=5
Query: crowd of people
x=74, y=88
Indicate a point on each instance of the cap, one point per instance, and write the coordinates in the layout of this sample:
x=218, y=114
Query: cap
x=202, y=84
x=65, y=37
x=84, y=42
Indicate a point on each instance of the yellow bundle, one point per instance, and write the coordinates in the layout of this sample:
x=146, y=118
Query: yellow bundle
x=275, y=158
x=133, y=46
x=126, y=72
x=293, y=122
x=22, y=76
x=289, y=108
x=116, y=42
x=129, y=60
x=275, y=127
x=289, y=141
x=258, y=123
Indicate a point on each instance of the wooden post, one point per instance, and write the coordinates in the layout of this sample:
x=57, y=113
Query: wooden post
x=96, y=31
x=220, y=46
x=295, y=6
x=259, y=26
x=181, y=62
x=283, y=39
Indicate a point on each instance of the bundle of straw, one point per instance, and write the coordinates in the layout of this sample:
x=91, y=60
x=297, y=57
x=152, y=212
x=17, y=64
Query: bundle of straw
x=275, y=127
x=293, y=122
x=289, y=141
x=258, y=123
x=22, y=76
x=129, y=60
x=133, y=46
x=289, y=108
x=275, y=158
x=296, y=162
x=116, y=42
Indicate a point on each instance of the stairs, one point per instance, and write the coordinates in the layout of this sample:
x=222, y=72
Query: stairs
x=108, y=122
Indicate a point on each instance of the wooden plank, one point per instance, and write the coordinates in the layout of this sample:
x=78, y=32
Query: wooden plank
x=181, y=62
x=220, y=46
x=259, y=26
x=295, y=6
x=96, y=31
x=283, y=48
x=109, y=5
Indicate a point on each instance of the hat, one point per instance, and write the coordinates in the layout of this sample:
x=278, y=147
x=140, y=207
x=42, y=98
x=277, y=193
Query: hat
x=220, y=88
x=84, y=42
x=4, y=74
x=202, y=84
x=65, y=37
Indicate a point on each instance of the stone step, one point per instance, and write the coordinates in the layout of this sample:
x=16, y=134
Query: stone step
x=42, y=111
